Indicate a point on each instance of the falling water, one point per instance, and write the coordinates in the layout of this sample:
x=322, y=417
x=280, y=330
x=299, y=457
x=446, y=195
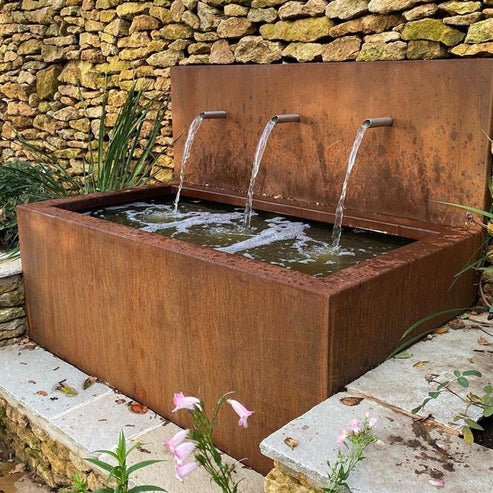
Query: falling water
x=186, y=154
x=259, y=152
x=337, y=230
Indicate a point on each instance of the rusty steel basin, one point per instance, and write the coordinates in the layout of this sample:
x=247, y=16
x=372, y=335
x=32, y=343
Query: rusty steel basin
x=154, y=315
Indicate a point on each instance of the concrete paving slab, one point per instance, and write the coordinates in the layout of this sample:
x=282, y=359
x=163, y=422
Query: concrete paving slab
x=97, y=424
x=402, y=382
x=163, y=474
x=410, y=457
x=29, y=375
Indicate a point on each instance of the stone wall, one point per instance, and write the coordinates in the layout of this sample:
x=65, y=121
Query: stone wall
x=12, y=315
x=52, y=461
x=56, y=54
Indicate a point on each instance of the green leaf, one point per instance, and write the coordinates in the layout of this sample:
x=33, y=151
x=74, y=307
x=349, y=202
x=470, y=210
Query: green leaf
x=488, y=389
x=474, y=373
x=472, y=424
x=487, y=412
x=101, y=464
x=463, y=382
x=433, y=395
x=457, y=373
x=145, y=487
x=140, y=465
x=403, y=356
x=469, y=208
x=467, y=434
x=104, y=490
x=416, y=409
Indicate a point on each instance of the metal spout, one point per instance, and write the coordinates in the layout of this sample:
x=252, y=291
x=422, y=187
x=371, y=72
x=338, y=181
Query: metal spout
x=385, y=121
x=288, y=117
x=207, y=115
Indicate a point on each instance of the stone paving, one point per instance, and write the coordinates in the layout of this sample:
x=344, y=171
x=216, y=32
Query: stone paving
x=416, y=449
x=92, y=419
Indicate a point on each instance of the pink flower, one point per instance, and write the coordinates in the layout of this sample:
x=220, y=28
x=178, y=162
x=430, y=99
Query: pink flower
x=354, y=426
x=182, y=402
x=341, y=437
x=241, y=411
x=175, y=440
x=184, y=469
x=439, y=483
x=182, y=451
x=372, y=422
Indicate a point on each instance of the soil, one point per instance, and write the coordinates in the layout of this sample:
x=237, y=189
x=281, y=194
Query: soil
x=485, y=438
x=13, y=479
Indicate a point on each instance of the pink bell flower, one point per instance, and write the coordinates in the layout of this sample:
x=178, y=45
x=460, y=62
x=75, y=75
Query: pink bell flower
x=241, y=411
x=182, y=470
x=341, y=437
x=372, y=422
x=175, y=440
x=182, y=451
x=183, y=402
x=354, y=426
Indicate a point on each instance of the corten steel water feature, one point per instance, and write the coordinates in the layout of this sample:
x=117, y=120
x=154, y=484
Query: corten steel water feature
x=154, y=315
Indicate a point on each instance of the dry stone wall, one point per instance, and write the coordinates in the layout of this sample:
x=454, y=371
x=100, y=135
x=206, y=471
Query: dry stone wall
x=56, y=55
x=12, y=314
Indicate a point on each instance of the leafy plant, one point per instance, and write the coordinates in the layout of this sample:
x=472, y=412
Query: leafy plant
x=484, y=402
x=201, y=444
x=356, y=439
x=117, y=163
x=119, y=473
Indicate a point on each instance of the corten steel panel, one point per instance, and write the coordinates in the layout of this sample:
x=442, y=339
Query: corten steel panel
x=153, y=315
x=436, y=150
x=156, y=316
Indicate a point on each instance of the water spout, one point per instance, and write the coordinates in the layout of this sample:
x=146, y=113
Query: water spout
x=259, y=152
x=192, y=131
x=368, y=123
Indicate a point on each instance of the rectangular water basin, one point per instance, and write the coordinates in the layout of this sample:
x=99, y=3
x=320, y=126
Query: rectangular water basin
x=153, y=315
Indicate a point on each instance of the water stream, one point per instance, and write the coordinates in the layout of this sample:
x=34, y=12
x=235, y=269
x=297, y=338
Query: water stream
x=192, y=131
x=259, y=152
x=337, y=229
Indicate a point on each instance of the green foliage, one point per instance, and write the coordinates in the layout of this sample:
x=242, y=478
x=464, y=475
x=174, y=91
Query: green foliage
x=117, y=163
x=484, y=402
x=119, y=473
x=207, y=455
x=355, y=443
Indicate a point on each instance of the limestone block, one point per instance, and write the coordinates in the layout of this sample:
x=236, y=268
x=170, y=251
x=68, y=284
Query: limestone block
x=11, y=313
x=387, y=6
x=118, y=27
x=480, y=32
x=480, y=49
x=368, y=24
x=463, y=20
x=10, y=283
x=254, y=49
x=127, y=10
x=262, y=15
x=199, y=49
x=433, y=30
x=455, y=7
x=177, y=9
x=310, y=29
x=385, y=37
x=15, y=91
x=176, y=31
x=303, y=52
x=13, y=328
x=297, y=10
x=221, y=53
x=382, y=51
x=47, y=82
x=235, y=10
x=166, y=58
x=235, y=27
x=190, y=19
x=29, y=47
x=209, y=16
x=346, y=9
x=426, y=50
x=143, y=23
x=161, y=13
x=259, y=4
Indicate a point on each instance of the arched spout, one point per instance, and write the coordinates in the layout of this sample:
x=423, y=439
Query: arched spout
x=207, y=115
x=385, y=121
x=288, y=117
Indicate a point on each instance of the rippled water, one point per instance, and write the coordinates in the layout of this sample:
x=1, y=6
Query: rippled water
x=279, y=240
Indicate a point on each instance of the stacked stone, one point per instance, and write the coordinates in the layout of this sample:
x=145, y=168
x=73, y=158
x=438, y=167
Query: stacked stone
x=56, y=55
x=12, y=315
x=52, y=461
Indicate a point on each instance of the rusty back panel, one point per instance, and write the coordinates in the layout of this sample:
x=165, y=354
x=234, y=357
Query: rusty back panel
x=436, y=149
